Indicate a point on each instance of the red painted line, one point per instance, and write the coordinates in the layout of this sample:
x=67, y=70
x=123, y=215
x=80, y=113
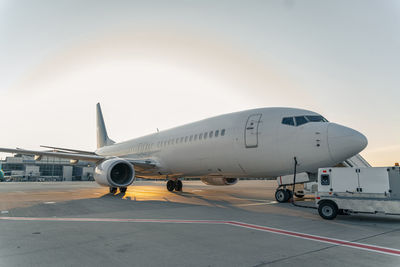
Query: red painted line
x=378, y=249
x=333, y=241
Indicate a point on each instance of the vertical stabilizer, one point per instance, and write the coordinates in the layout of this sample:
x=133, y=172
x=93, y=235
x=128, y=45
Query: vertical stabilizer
x=102, y=137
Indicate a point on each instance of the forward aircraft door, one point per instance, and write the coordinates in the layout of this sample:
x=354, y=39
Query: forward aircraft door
x=251, y=131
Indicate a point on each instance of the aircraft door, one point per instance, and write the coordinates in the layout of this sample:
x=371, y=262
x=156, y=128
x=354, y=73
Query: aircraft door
x=251, y=131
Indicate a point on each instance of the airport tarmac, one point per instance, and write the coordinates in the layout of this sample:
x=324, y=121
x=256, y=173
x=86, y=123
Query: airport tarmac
x=81, y=224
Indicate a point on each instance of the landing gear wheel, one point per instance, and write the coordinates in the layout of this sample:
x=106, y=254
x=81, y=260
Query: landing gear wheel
x=282, y=195
x=170, y=185
x=178, y=185
x=328, y=210
x=122, y=189
x=113, y=190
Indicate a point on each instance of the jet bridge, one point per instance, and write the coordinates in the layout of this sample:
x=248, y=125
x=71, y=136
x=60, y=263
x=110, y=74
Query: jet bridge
x=356, y=161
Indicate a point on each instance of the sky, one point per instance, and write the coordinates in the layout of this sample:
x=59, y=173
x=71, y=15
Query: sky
x=159, y=64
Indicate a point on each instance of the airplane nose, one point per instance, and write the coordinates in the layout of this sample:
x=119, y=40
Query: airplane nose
x=344, y=142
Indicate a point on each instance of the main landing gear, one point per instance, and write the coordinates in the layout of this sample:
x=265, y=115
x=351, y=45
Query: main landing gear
x=174, y=185
x=113, y=190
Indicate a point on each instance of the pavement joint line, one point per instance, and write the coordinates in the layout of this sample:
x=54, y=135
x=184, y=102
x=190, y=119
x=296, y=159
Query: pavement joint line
x=327, y=240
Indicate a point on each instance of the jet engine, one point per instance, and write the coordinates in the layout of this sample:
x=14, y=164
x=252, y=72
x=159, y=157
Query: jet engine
x=115, y=172
x=219, y=180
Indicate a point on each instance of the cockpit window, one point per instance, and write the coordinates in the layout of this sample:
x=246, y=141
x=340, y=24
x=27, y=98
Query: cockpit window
x=288, y=121
x=316, y=119
x=300, y=120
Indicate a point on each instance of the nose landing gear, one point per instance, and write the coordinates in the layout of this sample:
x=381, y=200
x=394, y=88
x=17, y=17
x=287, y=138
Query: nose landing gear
x=283, y=195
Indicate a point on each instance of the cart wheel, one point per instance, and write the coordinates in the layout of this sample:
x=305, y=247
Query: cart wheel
x=328, y=210
x=282, y=195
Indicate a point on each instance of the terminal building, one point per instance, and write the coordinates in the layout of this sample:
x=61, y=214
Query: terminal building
x=26, y=168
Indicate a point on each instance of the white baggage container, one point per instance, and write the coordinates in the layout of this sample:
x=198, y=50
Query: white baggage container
x=358, y=190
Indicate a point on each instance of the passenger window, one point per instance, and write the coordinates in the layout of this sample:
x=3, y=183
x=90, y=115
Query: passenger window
x=211, y=134
x=191, y=138
x=186, y=138
x=181, y=139
x=300, y=120
x=195, y=137
x=205, y=135
x=223, y=132
x=200, y=136
x=288, y=121
x=216, y=133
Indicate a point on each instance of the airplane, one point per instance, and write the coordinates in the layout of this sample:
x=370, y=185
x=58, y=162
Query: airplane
x=256, y=143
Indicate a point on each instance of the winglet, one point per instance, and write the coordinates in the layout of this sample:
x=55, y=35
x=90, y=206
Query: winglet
x=102, y=137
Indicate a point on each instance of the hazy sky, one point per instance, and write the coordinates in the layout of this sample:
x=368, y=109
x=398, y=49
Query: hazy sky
x=164, y=63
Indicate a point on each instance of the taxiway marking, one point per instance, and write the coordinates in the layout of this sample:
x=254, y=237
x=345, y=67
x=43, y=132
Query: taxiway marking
x=327, y=240
x=256, y=204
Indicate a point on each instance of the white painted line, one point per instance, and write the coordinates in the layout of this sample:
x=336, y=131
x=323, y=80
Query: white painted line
x=327, y=240
x=339, y=242
x=49, y=202
x=253, y=199
x=256, y=204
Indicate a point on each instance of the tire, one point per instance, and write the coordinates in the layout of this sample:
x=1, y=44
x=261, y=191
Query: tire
x=282, y=195
x=178, y=185
x=113, y=190
x=122, y=189
x=328, y=210
x=170, y=185
x=299, y=195
x=290, y=194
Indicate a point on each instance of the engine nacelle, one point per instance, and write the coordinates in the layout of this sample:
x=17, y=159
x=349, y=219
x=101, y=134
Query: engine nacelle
x=219, y=180
x=114, y=172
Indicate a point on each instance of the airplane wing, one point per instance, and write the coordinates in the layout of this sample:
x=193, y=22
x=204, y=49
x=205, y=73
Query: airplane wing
x=142, y=166
x=61, y=149
x=64, y=155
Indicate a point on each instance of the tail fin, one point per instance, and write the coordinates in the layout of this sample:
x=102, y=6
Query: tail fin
x=102, y=137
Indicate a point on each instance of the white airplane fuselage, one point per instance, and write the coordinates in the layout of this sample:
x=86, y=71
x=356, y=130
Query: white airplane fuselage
x=255, y=144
